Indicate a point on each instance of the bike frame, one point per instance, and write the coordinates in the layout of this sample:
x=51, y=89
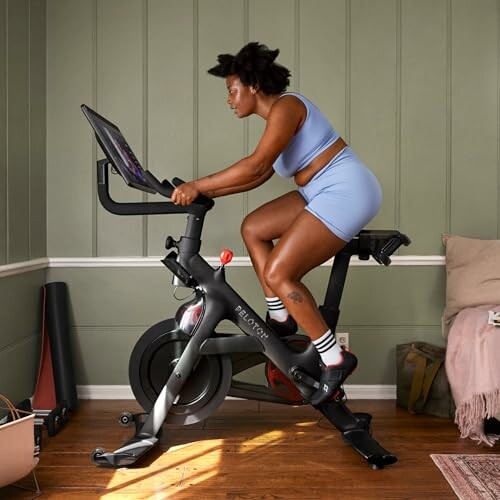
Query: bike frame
x=222, y=302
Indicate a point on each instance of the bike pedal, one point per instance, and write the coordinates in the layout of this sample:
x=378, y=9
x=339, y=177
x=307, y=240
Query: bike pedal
x=299, y=376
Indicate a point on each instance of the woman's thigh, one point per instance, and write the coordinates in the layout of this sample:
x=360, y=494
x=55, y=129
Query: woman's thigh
x=271, y=220
x=306, y=244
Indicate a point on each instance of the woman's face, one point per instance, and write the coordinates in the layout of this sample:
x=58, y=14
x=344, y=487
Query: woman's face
x=240, y=98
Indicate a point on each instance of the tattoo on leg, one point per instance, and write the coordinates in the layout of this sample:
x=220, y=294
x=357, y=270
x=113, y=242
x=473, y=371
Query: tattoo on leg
x=296, y=297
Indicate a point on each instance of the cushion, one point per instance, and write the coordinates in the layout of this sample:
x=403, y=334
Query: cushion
x=472, y=275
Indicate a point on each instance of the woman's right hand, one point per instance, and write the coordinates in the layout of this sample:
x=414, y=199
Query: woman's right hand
x=185, y=194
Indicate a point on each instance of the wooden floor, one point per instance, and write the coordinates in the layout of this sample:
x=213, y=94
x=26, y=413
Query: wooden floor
x=250, y=450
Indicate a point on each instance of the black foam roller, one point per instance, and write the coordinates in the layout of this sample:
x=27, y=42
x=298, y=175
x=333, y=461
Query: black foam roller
x=60, y=345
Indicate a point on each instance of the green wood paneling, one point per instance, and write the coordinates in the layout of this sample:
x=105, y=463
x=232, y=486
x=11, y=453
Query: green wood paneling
x=401, y=296
x=172, y=120
x=96, y=343
x=18, y=369
x=322, y=57
x=71, y=163
x=401, y=80
x=372, y=105
x=18, y=153
x=20, y=311
x=276, y=28
x=413, y=86
x=424, y=127
x=22, y=201
x=381, y=307
x=474, y=118
x=37, y=133
x=375, y=348
x=120, y=97
x=3, y=132
x=221, y=136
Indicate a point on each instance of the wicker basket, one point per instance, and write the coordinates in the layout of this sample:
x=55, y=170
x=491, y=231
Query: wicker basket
x=17, y=446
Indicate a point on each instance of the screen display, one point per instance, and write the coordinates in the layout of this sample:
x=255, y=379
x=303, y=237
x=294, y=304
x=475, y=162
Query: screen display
x=117, y=150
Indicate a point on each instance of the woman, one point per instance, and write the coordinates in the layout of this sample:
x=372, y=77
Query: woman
x=337, y=197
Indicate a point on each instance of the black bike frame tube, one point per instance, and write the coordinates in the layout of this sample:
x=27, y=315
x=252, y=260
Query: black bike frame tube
x=223, y=302
x=181, y=372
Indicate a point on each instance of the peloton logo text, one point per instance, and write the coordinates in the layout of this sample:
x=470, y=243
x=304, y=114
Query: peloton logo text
x=251, y=322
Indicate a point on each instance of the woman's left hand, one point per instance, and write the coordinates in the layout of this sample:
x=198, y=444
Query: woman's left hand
x=185, y=194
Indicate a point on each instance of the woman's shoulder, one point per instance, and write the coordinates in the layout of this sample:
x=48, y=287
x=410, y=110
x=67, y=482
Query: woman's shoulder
x=292, y=100
x=293, y=96
x=290, y=109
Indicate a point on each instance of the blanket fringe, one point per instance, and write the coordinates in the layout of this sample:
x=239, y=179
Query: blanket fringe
x=470, y=416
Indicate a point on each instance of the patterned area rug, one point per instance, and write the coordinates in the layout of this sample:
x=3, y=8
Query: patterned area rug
x=472, y=477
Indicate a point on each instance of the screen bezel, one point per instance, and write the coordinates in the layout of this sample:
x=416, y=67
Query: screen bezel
x=107, y=143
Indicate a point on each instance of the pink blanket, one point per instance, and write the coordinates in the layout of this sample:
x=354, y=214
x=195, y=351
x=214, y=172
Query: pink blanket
x=473, y=369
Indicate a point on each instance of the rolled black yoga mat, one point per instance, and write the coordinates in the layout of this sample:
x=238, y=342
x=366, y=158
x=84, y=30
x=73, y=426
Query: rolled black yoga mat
x=60, y=345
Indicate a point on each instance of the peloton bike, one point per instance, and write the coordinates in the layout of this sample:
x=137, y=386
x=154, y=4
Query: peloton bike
x=182, y=368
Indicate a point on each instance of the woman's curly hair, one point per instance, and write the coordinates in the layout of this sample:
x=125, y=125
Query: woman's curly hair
x=255, y=67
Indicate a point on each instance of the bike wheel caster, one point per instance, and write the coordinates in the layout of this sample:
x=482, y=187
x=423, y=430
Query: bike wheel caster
x=96, y=454
x=126, y=419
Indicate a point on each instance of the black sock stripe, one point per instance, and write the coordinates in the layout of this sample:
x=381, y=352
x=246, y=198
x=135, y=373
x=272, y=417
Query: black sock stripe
x=276, y=308
x=327, y=347
x=328, y=339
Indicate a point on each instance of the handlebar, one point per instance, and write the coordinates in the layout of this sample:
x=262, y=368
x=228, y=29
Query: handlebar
x=199, y=207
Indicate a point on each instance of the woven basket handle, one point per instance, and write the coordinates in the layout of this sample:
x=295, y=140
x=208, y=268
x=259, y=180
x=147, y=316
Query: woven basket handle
x=10, y=407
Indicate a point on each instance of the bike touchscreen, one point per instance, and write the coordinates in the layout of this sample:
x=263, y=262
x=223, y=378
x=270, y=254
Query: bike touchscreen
x=117, y=150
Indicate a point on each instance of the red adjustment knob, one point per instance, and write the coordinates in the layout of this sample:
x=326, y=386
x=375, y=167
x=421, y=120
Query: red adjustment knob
x=226, y=256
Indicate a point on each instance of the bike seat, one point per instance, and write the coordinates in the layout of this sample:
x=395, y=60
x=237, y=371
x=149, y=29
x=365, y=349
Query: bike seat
x=377, y=243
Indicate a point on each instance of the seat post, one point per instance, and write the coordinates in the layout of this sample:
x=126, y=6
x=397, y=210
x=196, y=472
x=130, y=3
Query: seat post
x=330, y=310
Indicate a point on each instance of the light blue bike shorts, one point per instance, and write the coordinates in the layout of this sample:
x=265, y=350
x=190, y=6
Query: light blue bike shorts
x=345, y=195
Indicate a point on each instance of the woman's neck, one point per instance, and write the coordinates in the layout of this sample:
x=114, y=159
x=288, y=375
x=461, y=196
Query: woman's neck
x=265, y=103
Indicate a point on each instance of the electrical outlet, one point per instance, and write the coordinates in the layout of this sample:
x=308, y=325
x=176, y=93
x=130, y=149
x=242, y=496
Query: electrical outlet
x=343, y=339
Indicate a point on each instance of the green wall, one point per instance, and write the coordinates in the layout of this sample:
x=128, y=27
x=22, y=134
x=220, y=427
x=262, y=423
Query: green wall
x=22, y=188
x=411, y=85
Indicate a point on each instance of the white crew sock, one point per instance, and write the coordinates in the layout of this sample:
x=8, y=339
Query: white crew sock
x=277, y=310
x=329, y=350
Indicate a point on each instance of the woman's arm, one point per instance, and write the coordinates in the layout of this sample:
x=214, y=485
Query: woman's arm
x=242, y=188
x=285, y=117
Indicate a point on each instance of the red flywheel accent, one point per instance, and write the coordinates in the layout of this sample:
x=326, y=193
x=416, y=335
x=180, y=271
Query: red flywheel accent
x=281, y=384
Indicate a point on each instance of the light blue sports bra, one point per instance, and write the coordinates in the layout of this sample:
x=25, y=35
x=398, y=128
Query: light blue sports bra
x=315, y=135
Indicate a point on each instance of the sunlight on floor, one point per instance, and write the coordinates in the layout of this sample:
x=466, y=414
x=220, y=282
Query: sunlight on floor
x=266, y=439
x=189, y=464
x=196, y=461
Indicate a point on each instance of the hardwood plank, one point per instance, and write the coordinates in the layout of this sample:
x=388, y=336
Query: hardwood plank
x=249, y=450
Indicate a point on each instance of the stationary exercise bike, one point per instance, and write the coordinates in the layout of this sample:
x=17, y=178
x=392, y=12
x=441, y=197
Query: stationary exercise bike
x=182, y=368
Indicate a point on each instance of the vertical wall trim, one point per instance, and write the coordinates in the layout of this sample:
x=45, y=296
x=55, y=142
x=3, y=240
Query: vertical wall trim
x=29, y=130
x=196, y=62
x=348, y=70
x=399, y=64
x=94, y=145
x=145, y=113
x=246, y=123
x=4, y=194
x=448, y=97
x=7, y=190
x=296, y=66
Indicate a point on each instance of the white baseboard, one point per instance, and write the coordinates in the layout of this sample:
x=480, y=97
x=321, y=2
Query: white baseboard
x=125, y=392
